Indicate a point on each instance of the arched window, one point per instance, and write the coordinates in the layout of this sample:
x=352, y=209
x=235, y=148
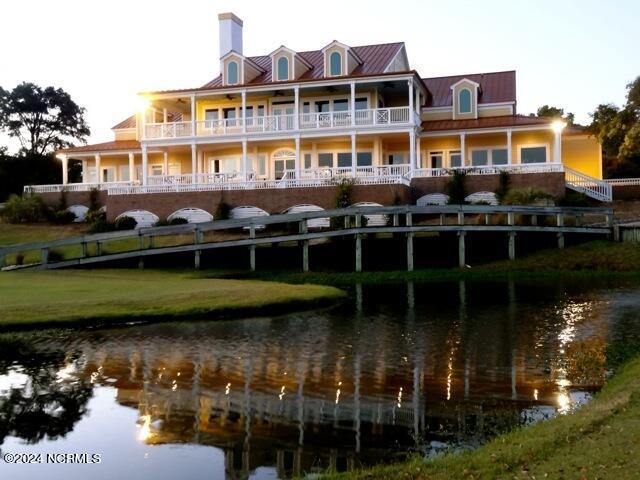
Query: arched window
x=283, y=68
x=464, y=101
x=232, y=72
x=335, y=63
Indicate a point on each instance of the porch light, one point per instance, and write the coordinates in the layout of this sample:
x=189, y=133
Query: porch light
x=143, y=103
x=558, y=125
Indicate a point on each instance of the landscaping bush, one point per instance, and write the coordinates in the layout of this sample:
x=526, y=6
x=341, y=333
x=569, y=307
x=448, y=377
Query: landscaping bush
x=125, y=223
x=63, y=217
x=343, y=200
x=528, y=196
x=24, y=209
x=456, y=188
x=178, y=221
x=94, y=194
x=503, y=188
x=100, y=225
x=95, y=215
x=223, y=211
x=574, y=199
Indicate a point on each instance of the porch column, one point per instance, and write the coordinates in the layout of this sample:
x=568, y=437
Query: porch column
x=376, y=152
x=412, y=149
x=353, y=155
x=245, y=170
x=165, y=163
x=418, y=153
x=509, y=154
x=201, y=162
x=65, y=169
x=314, y=155
x=85, y=172
x=557, y=148
x=132, y=168
x=411, y=109
x=463, y=154
x=296, y=107
x=244, y=111
x=145, y=165
x=352, y=103
x=98, y=168
x=194, y=163
x=193, y=115
x=164, y=115
x=298, y=173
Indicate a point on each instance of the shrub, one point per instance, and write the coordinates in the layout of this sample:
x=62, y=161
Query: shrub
x=94, y=194
x=178, y=221
x=62, y=201
x=456, y=188
x=345, y=190
x=25, y=209
x=100, y=225
x=223, y=211
x=95, y=215
x=63, y=217
x=528, y=196
x=574, y=199
x=125, y=223
x=503, y=188
x=19, y=258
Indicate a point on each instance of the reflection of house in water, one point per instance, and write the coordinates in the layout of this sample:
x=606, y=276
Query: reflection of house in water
x=347, y=392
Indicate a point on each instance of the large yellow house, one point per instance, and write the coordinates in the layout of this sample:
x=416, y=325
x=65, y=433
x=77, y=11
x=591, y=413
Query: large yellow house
x=289, y=122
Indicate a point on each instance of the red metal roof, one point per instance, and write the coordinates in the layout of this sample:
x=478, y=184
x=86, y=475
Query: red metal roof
x=375, y=59
x=485, y=122
x=104, y=147
x=494, y=87
x=129, y=122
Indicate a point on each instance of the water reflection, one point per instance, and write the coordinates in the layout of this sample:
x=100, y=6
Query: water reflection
x=402, y=369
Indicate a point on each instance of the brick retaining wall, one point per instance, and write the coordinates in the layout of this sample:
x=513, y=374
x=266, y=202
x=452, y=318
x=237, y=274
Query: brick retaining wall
x=270, y=200
x=73, y=198
x=625, y=192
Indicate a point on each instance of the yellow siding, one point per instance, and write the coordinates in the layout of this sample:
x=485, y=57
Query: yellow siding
x=494, y=111
x=129, y=134
x=583, y=154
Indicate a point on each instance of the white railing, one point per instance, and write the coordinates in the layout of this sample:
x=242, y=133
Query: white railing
x=590, y=186
x=488, y=169
x=76, y=187
x=168, y=130
x=623, y=182
x=280, y=123
x=189, y=179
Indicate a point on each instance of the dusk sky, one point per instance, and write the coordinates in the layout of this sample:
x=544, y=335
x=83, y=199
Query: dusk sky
x=572, y=54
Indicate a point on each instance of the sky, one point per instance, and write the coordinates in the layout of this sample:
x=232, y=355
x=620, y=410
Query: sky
x=573, y=54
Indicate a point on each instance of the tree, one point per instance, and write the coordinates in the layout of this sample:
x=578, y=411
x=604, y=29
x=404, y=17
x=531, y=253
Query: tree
x=555, y=113
x=42, y=120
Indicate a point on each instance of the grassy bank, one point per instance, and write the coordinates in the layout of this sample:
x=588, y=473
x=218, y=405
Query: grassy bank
x=31, y=298
x=600, y=259
x=599, y=441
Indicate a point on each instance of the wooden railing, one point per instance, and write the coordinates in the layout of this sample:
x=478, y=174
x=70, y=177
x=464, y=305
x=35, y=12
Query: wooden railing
x=407, y=220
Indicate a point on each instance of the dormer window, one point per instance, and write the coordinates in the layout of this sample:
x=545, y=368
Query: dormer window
x=232, y=72
x=283, y=69
x=335, y=64
x=464, y=101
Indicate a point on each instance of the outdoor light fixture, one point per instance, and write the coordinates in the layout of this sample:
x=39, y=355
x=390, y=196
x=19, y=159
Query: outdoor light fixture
x=142, y=103
x=558, y=125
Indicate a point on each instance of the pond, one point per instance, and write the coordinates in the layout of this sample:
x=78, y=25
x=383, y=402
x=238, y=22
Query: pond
x=395, y=370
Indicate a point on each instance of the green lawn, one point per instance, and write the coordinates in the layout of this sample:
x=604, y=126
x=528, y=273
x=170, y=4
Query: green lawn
x=28, y=298
x=599, y=441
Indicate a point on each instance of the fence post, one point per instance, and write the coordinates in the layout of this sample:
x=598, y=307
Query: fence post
x=460, y=217
x=44, y=256
x=252, y=249
x=534, y=220
x=461, y=249
x=396, y=220
x=197, y=239
x=2, y=259
x=560, y=223
x=442, y=218
x=305, y=246
x=358, y=244
x=98, y=249
x=84, y=249
x=409, y=223
x=512, y=245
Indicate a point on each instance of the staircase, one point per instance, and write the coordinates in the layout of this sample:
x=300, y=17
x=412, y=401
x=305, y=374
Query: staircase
x=590, y=186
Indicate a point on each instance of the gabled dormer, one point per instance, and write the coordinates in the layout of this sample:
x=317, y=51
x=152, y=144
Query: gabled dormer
x=236, y=69
x=465, y=99
x=339, y=59
x=286, y=64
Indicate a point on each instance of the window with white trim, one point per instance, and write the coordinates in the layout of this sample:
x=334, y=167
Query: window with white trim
x=325, y=160
x=396, y=158
x=464, y=101
x=533, y=154
x=283, y=69
x=435, y=159
x=232, y=72
x=489, y=156
x=455, y=158
x=335, y=64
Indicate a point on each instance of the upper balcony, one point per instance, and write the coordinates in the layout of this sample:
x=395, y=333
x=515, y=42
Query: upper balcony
x=341, y=120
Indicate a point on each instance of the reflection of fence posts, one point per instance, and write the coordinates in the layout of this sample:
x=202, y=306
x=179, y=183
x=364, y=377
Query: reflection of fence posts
x=357, y=230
